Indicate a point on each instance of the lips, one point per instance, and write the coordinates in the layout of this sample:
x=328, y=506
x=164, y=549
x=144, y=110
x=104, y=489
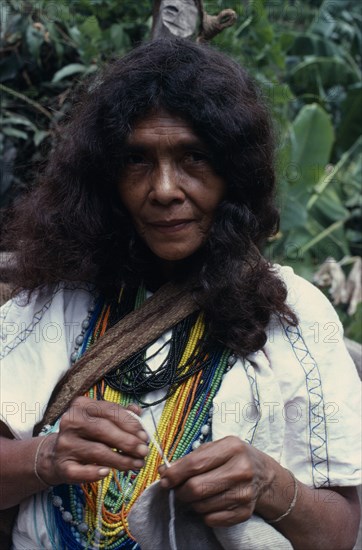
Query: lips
x=170, y=226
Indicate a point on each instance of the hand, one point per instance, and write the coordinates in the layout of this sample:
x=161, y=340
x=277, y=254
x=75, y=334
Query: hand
x=93, y=437
x=221, y=480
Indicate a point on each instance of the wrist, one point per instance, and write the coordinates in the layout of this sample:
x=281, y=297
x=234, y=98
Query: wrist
x=292, y=502
x=43, y=460
x=280, y=497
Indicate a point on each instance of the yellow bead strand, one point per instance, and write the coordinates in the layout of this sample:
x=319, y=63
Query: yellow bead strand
x=169, y=432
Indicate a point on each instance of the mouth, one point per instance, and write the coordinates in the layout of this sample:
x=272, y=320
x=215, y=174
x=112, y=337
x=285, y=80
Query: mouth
x=170, y=226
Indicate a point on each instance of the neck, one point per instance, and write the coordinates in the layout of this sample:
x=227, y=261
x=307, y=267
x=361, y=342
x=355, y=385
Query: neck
x=161, y=272
x=156, y=271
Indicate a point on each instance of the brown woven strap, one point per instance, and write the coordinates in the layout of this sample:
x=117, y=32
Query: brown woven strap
x=163, y=310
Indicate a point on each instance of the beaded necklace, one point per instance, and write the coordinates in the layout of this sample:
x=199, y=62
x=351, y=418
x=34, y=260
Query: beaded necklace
x=94, y=515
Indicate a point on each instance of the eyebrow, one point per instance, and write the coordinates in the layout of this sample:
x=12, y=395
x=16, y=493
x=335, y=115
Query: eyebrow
x=183, y=144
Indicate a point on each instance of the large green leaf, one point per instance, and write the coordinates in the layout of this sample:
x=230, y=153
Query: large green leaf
x=326, y=240
x=10, y=66
x=34, y=40
x=312, y=139
x=90, y=28
x=353, y=329
x=350, y=126
x=329, y=207
x=69, y=70
x=294, y=211
x=314, y=71
x=347, y=167
x=14, y=132
x=294, y=214
x=16, y=120
x=309, y=44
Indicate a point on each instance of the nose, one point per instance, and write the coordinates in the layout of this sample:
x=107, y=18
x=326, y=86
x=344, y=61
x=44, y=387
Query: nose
x=166, y=184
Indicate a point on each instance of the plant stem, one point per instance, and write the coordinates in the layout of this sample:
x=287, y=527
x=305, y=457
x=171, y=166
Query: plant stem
x=323, y=234
x=26, y=99
x=323, y=184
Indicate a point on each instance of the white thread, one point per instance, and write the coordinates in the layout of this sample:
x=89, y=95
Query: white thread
x=154, y=441
x=171, y=497
x=171, y=525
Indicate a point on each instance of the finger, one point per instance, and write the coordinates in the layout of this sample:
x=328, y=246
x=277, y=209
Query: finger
x=77, y=438
x=75, y=473
x=73, y=468
x=227, y=518
x=88, y=445
x=85, y=410
x=227, y=480
x=81, y=424
x=228, y=499
x=134, y=408
x=220, y=489
x=202, y=487
x=114, y=458
x=193, y=464
x=206, y=458
x=107, y=433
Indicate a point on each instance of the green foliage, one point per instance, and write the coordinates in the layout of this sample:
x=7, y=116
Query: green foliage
x=47, y=48
x=305, y=55
x=352, y=326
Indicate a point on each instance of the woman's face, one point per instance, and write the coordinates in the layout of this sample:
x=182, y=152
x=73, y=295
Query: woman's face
x=168, y=185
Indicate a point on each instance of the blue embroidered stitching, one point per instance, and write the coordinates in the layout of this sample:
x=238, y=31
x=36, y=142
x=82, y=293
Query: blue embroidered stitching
x=317, y=421
x=249, y=369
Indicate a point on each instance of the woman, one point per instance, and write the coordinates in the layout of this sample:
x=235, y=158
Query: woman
x=165, y=173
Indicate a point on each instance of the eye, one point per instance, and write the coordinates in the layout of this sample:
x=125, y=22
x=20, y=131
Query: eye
x=134, y=159
x=196, y=157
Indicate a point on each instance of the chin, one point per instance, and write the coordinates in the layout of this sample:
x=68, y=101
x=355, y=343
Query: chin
x=178, y=266
x=172, y=257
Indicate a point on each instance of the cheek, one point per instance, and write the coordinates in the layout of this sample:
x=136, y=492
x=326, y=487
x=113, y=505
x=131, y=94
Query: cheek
x=129, y=198
x=215, y=197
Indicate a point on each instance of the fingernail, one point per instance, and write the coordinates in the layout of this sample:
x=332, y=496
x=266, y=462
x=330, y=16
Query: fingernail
x=134, y=408
x=142, y=450
x=164, y=483
x=143, y=435
x=103, y=471
x=139, y=463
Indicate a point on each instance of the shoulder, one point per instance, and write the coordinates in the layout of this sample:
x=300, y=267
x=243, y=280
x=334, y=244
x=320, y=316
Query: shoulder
x=59, y=299
x=320, y=386
x=43, y=315
x=319, y=333
x=305, y=299
x=37, y=337
x=315, y=348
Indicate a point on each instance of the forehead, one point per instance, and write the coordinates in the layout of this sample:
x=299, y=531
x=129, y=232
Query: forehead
x=161, y=126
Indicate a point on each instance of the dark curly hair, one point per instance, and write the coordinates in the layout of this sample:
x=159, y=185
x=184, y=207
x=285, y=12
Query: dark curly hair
x=72, y=226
